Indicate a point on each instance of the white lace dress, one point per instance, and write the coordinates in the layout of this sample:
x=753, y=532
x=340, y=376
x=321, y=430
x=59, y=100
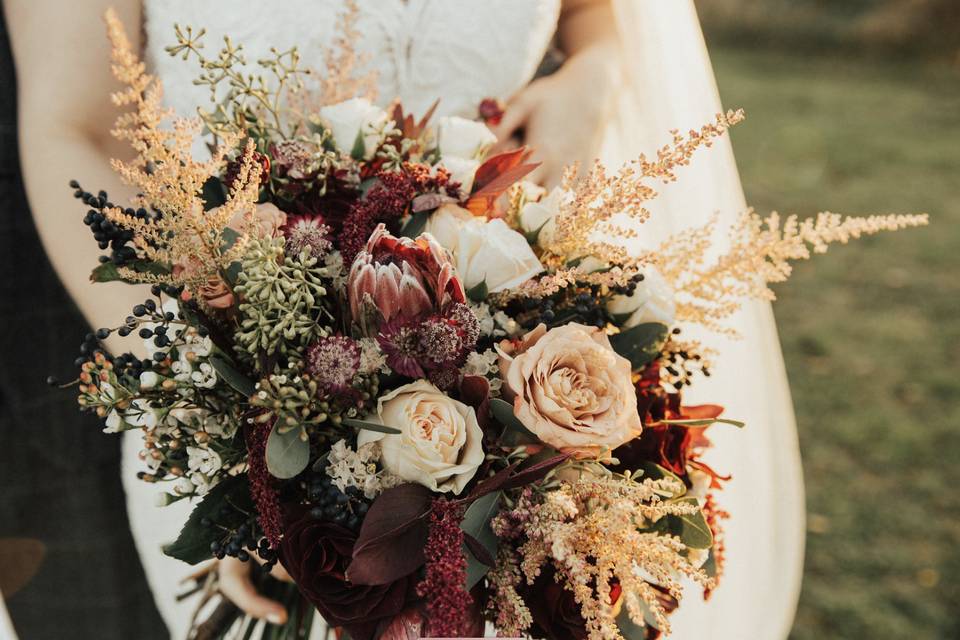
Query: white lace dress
x=462, y=51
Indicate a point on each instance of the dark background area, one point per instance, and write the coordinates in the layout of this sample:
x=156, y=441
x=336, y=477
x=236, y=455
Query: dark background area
x=62, y=508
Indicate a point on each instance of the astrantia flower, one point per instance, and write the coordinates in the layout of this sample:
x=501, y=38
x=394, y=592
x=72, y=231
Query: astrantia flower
x=400, y=341
x=307, y=233
x=333, y=362
x=294, y=157
x=402, y=277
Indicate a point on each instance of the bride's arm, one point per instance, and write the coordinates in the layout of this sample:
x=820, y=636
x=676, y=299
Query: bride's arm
x=562, y=116
x=65, y=116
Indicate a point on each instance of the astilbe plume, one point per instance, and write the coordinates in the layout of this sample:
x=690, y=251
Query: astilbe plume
x=760, y=253
x=596, y=199
x=169, y=180
x=589, y=532
x=442, y=587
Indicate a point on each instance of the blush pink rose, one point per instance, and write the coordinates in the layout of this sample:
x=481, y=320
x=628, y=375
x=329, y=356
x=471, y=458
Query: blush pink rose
x=570, y=388
x=267, y=220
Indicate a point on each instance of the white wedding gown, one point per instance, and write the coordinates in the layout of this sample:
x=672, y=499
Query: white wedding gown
x=462, y=51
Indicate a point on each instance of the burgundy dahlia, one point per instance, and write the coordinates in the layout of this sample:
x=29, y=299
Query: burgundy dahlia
x=316, y=555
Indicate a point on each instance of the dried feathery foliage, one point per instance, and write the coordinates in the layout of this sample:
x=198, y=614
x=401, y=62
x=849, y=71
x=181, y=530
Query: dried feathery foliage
x=169, y=180
x=587, y=217
x=590, y=531
x=759, y=255
x=341, y=79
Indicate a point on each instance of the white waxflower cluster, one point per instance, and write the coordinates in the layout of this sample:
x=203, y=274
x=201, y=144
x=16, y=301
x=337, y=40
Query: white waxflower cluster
x=358, y=468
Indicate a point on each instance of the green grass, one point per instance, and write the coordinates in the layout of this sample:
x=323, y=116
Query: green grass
x=871, y=331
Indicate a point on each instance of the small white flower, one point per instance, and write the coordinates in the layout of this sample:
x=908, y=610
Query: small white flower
x=141, y=414
x=462, y=138
x=113, y=423
x=652, y=301
x=372, y=357
x=482, y=311
x=508, y=325
x=204, y=376
x=183, y=486
x=355, y=118
x=205, y=461
x=540, y=217
x=149, y=380
x=202, y=483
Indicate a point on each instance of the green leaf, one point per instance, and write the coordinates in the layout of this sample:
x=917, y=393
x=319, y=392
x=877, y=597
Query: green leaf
x=229, y=237
x=287, y=453
x=232, y=377
x=109, y=272
x=476, y=523
x=370, y=426
x=692, y=529
x=704, y=422
x=514, y=432
x=710, y=566
x=416, y=224
x=224, y=504
x=359, y=148
x=213, y=193
x=629, y=629
x=478, y=292
x=640, y=344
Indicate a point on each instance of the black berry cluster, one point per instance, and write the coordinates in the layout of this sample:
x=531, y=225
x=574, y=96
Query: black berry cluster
x=346, y=509
x=107, y=234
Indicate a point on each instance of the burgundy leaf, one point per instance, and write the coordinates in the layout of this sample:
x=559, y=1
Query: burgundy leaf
x=478, y=550
x=391, y=540
x=499, y=164
x=482, y=201
x=491, y=484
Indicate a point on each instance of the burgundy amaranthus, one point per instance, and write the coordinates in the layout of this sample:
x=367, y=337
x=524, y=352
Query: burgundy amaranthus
x=447, y=601
x=262, y=491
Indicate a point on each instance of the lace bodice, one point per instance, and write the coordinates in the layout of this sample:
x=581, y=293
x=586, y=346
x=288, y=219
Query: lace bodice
x=460, y=51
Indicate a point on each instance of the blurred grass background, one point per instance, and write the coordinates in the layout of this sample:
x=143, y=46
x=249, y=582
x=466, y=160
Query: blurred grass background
x=854, y=106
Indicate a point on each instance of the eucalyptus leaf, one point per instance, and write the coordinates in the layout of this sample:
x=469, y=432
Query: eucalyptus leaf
x=692, y=529
x=416, y=224
x=110, y=272
x=213, y=193
x=629, y=629
x=514, y=432
x=231, y=376
x=287, y=453
x=371, y=426
x=476, y=523
x=359, y=147
x=704, y=422
x=640, y=344
x=478, y=292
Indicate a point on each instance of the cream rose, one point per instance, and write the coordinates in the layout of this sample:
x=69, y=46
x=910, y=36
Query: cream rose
x=350, y=118
x=571, y=389
x=439, y=444
x=462, y=138
x=462, y=170
x=483, y=250
x=540, y=216
x=652, y=301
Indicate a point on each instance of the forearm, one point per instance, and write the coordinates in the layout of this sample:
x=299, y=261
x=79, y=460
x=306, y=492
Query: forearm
x=586, y=24
x=50, y=159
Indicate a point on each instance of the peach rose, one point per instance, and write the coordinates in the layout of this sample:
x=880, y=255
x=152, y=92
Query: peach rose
x=267, y=219
x=571, y=389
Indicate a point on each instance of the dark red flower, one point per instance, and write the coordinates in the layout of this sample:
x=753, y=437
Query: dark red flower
x=491, y=111
x=316, y=555
x=555, y=612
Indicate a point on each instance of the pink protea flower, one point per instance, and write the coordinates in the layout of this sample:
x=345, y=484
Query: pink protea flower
x=402, y=277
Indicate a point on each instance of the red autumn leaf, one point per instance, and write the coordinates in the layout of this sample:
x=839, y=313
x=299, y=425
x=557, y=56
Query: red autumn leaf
x=499, y=164
x=482, y=201
x=391, y=540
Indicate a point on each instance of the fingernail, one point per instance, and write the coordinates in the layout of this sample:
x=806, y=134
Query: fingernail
x=274, y=618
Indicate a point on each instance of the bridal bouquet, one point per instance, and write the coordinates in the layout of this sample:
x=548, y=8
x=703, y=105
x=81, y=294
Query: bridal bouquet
x=437, y=395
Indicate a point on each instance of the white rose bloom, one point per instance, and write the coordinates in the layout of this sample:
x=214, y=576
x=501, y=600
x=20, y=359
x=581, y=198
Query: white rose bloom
x=484, y=250
x=651, y=302
x=357, y=116
x=462, y=138
x=439, y=444
x=462, y=170
x=540, y=216
x=495, y=253
x=445, y=224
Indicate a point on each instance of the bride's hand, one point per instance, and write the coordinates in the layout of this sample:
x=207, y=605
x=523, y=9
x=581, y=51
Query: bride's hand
x=237, y=586
x=562, y=116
